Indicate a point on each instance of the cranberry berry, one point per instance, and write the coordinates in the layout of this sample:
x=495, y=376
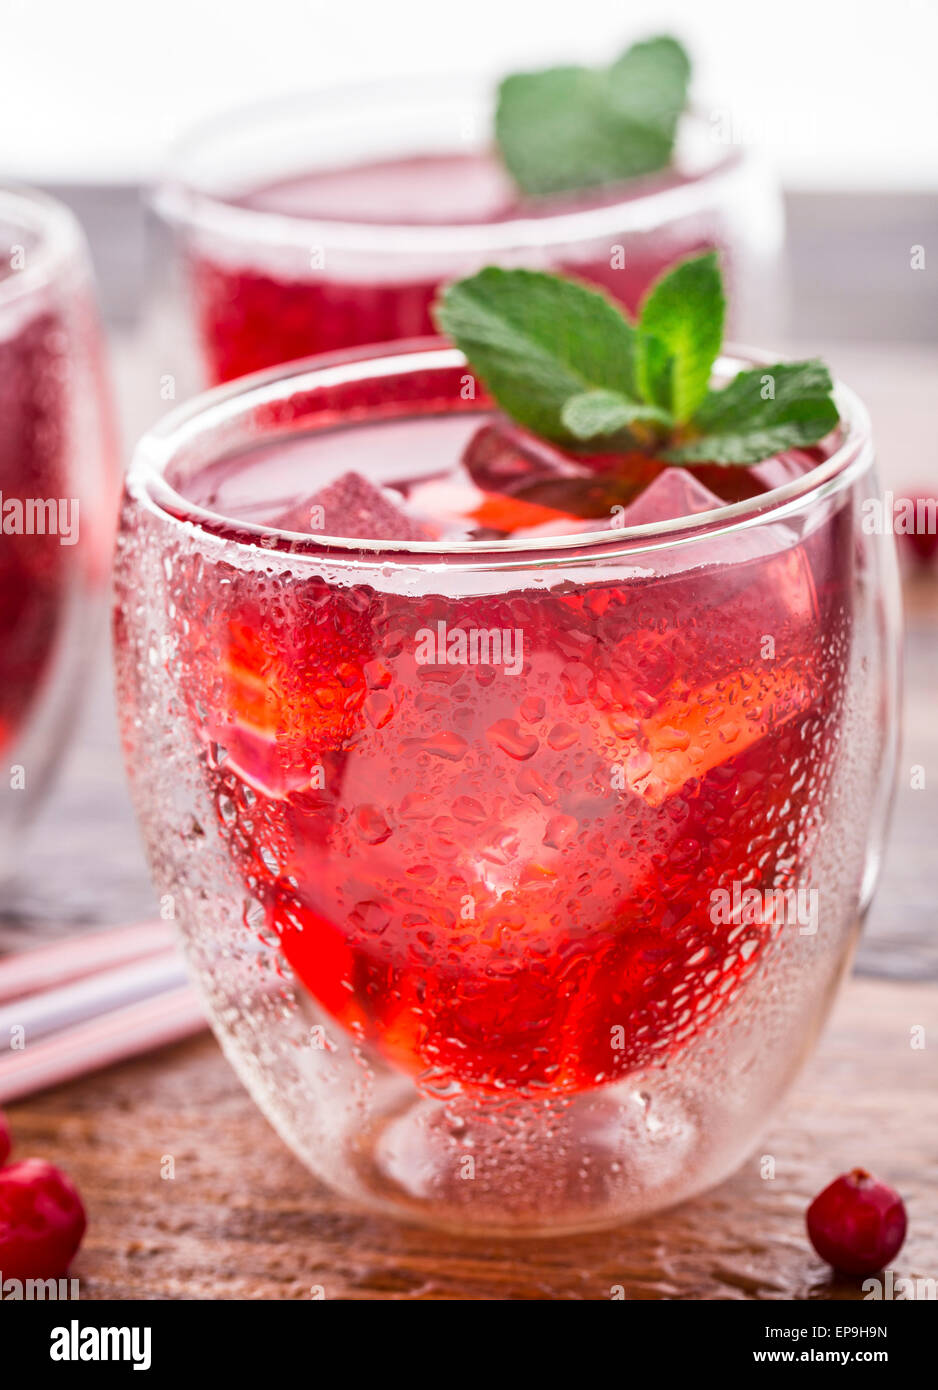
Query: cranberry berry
x=921, y=541
x=857, y=1224
x=42, y=1220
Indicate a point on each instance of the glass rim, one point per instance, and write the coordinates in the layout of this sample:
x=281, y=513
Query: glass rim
x=161, y=444
x=180, y=201
x=60, y=239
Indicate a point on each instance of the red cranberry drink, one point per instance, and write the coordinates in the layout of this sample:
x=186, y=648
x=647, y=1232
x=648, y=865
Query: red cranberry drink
x=250, y=315
x=33, y=567
x=470, y=828
x=505, y=786
x=58, y=483
x=331, y=223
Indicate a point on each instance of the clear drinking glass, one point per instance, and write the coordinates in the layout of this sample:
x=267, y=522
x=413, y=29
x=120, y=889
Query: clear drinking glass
x=59, y=481
x=327, y=222
x=480, y=938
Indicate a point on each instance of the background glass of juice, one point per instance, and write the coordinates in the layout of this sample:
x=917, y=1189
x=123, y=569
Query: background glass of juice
x=473, y=932
x=329, y=221
x=59, y=480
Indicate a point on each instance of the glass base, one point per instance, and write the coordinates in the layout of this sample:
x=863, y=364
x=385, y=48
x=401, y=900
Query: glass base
x=499, y=1165
x=532, y=1170
x=522, y=1169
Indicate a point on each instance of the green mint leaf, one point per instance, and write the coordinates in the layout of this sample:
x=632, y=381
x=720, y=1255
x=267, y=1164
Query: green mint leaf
x=597, y=414
x=649, y=85
x=557, y=131
x=680, y=330
x=537, y=340
x=570, y=128
x=765, y=391
x=761, y=412
x=653, y=369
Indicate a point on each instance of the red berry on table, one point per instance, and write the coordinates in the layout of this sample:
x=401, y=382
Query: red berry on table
x=918, y=532
x=42, y=1220
x=857, y=1224
x=6, y=1143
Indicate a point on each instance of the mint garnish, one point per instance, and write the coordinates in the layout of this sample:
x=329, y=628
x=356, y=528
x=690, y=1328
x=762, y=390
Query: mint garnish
x=564, y=360
x=594, y=414
x=568, y=128
x=761, y=412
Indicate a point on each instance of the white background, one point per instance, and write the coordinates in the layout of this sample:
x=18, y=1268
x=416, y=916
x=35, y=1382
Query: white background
x=842, y=93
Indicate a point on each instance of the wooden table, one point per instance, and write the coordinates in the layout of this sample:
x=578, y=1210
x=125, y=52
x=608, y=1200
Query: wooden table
x=242, y=1218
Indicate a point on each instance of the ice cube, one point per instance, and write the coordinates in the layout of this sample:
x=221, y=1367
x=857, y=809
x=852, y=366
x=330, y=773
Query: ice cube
x=448, y=503
x=674, y=493
x=695, y=731
x=354, y=508
x=785, y=585
x=281, y=696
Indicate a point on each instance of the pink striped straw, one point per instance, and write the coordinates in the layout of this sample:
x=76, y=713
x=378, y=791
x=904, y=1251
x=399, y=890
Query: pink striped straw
x=52, y=1010
x=40, y=968
x=100, y=1042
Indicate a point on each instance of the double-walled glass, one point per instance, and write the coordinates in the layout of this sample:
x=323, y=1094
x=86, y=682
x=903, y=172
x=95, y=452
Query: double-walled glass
x=58, y=492
x=533, y=942
x=327, y=222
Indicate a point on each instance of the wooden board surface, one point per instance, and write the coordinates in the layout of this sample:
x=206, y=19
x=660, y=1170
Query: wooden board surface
x=243, y=1219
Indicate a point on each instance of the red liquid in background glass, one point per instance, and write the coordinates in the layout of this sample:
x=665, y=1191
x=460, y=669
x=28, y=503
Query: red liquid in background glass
x=491, y=875
x=33, y=568
x=250, y=317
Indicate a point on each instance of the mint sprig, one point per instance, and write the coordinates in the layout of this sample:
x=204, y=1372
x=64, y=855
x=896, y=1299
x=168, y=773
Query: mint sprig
x=568, y=128
x=564, y=360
